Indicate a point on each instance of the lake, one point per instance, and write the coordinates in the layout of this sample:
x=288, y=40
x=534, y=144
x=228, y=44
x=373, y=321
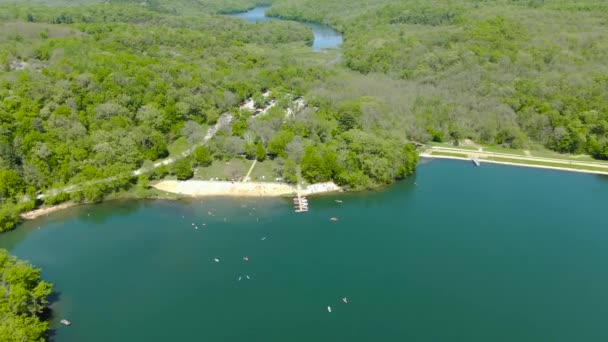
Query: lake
x=454, y=253
x=325, y=36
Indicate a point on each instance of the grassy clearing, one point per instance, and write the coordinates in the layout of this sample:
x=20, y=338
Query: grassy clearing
x=237, y=168
x=519, y=152
x=263, y=171
x=448, y=145
x=550, y=164
x=498, y=149
x=449, y=154
x=545, y=154
x=234, y=169
x=181, y=144
x=178, y=147
x=549, y=154
x=139, y=193
x=542, y=154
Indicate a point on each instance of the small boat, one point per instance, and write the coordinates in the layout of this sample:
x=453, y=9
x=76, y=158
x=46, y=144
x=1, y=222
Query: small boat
x=247, y=277
x=338, y=201
x=333, y=219
x=345, y=300
x=239, y=278
x=264, y=238
x=246, y=258
x=65, y=322
x=329, y=309
x=216, y=260
x=476, y=162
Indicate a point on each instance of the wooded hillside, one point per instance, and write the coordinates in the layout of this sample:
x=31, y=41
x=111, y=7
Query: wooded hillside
x=512, y=73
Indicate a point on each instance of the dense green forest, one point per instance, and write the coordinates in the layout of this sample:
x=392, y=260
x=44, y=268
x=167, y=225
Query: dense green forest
x=91, y=90
x=505, y=72
x=23, y=298
x=96, y=91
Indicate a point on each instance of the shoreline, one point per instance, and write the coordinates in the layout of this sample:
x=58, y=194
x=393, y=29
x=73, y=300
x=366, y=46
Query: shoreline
x=43, y=211
x=204, y=189
x=536, y=166
x=200, y=188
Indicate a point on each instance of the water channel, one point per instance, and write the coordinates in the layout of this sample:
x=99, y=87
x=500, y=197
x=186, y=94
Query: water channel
x=325, y=36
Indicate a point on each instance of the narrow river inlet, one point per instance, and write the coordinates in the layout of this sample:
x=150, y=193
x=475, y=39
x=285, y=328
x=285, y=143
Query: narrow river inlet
x=325, y=36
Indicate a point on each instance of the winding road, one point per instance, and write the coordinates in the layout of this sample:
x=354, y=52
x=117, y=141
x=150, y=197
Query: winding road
x=223, y=121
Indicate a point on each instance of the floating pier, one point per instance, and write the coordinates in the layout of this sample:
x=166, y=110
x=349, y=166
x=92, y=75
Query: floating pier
x=301, y=204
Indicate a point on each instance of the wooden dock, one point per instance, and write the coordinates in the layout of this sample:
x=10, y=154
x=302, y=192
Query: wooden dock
x=300, y=203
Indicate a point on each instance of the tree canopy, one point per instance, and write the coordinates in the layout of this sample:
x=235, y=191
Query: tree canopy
x=23, y=297
x=519, y=74
x=95, y=91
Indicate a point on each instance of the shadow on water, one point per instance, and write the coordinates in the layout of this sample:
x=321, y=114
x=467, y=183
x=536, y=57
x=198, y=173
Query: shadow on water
x=48, y=314
x=405, y=187
x=101, y=213
x=90, y=213
x=51, y=335
x=603, y=178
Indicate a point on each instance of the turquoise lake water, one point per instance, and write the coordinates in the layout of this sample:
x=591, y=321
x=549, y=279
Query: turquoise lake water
x=455, y=253
x=325, y=36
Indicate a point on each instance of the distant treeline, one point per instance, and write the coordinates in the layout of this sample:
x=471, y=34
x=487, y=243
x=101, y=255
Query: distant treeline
x=511, y=73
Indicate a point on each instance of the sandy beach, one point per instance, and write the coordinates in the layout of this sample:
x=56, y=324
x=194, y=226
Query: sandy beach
x=34, y=214
x=199, y=188
x=195, y=188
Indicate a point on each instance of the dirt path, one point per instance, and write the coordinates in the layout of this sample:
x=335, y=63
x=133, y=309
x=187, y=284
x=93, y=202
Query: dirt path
x=246, y=179
x=222, y=122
